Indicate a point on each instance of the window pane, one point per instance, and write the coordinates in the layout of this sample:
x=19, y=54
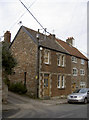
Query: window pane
x=58, y=81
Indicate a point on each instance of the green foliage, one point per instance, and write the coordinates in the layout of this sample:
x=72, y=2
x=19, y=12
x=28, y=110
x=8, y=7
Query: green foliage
x=8, y=61
x=6, y=81
x=18, y=88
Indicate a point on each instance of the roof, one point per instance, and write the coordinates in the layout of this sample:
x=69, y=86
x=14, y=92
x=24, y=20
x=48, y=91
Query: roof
x=72, y=50
x=44, y=40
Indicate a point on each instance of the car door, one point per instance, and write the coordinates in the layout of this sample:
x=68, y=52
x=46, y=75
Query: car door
x=88, y=94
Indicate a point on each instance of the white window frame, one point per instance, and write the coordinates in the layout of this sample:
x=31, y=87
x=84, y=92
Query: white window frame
x=59, y=60
x=63, y=81
x=59, y=81
x=46, y=57
x=82, y=61
x=63, y=60
x=82, y=72
x=82, y=84
x=75, y=74
x=74, y=59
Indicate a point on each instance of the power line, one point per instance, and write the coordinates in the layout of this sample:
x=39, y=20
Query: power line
x=34, y=17
x=22, y=15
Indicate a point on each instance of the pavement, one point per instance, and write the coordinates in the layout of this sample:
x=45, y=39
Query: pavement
x=17, y=102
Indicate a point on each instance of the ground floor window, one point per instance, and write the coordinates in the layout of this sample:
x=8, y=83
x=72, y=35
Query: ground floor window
x=61, y=81
x=82, y=84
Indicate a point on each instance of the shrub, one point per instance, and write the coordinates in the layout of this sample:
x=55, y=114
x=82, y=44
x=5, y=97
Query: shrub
x=18, y=88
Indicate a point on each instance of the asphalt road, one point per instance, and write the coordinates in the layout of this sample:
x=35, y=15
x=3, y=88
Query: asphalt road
x=29, y=108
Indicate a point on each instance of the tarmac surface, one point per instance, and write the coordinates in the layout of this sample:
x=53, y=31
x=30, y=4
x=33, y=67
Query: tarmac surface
x=17, y=102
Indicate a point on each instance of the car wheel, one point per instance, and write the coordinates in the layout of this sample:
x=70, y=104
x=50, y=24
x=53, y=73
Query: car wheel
x=85, y=100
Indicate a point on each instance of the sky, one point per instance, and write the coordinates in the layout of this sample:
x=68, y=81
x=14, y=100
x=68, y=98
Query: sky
x=64, y=18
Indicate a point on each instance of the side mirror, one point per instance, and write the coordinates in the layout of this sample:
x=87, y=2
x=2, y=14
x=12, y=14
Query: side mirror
x=88, y=92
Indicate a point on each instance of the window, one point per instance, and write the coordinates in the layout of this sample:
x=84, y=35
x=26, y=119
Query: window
x=62, y=60
x=46, y=57
x=82, y=61
x=59, y=60
x=74, y=59
x=74, y=71
x=82, y=72
x=61, y=81
x=59, y=78
x=82, y=84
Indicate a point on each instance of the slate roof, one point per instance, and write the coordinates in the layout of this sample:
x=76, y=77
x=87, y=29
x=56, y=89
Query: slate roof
x=44, y=40
x=72, y=50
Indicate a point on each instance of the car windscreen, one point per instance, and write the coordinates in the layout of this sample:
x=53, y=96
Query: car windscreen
x=76, y=91
x=83, y=91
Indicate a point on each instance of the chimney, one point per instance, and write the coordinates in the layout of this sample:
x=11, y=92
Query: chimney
x=7, y=36
x=70, y=40
x=52, y=36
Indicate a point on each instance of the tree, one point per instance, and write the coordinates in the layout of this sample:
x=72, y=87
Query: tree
x=8, y=61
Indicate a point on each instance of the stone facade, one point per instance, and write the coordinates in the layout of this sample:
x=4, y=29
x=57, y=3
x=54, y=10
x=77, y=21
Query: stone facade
x=25, y=52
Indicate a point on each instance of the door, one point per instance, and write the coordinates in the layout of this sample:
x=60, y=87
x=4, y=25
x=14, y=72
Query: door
x=88, y=95
x=46, y=84
x=73, y=87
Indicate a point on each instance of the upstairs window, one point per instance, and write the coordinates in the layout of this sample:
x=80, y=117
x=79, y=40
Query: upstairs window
x=82, y=72
x=63, y=60
x=75, y=71
x=82, y=61
x=74, y=59
x=46, y=57
x=59, y=60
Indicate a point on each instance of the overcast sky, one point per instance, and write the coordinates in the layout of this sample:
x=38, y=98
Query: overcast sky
x=64, y=18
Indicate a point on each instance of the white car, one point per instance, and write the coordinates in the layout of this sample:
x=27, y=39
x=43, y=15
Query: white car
x=80, y=95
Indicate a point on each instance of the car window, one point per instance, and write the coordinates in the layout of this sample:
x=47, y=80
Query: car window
x=83, y=91
x=76, y=91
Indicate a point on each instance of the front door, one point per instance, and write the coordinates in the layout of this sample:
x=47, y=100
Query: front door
x=46, y=84
x=73, y=87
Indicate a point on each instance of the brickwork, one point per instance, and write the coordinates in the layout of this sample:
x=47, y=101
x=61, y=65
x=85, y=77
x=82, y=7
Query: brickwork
x=25, y=52
x=54, y=70
x=79, y=78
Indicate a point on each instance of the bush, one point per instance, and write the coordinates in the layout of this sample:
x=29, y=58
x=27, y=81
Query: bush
x=18, y=88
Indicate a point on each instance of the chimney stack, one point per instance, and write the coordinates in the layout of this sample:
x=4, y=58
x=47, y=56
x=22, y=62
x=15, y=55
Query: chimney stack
x=7, y=36
x=70, y=40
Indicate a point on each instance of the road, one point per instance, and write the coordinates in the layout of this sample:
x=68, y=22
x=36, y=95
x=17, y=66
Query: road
x=24, y=107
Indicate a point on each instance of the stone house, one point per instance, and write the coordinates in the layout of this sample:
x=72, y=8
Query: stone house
x=79, y=64
x=43, y=65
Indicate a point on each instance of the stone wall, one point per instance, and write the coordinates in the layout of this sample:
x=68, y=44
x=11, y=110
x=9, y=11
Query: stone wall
x=25, y=52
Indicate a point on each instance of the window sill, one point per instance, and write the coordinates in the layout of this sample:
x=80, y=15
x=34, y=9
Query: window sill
x=61, y=88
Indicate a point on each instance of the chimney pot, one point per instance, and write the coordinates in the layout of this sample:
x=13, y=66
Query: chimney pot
x=7, y=36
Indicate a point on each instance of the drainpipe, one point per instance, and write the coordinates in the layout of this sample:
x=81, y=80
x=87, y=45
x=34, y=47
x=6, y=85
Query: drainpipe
x=37, y=36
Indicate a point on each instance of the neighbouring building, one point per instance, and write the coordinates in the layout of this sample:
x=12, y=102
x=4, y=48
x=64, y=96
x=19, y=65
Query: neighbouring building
x=79, y=64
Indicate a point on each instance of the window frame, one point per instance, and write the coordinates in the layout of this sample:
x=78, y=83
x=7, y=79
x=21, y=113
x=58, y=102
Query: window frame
x=62, y=60
x=82, y=61
x=59, y=60
x=59, y=81
x=63, y=81
x=76, y=71
x=82, y=72
x=74, y=59
x=47, y=57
